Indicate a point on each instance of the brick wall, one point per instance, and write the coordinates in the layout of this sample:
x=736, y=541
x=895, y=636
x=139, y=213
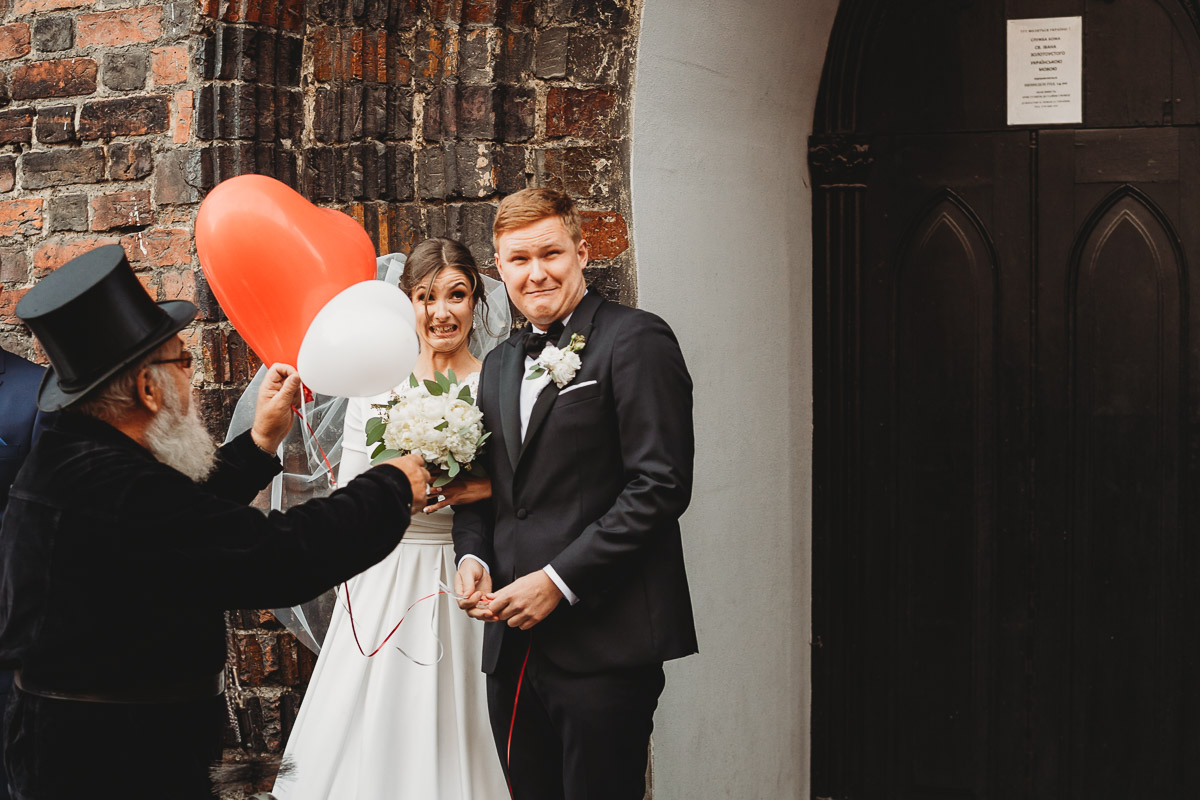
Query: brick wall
x=414, y=116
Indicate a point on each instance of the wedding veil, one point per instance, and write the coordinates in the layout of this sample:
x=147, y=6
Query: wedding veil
x=312, y=450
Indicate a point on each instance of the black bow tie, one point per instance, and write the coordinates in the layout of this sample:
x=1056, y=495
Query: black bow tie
x=536, y=342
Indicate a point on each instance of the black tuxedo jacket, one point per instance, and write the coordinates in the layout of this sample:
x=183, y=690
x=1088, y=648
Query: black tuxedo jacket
x=595, y=490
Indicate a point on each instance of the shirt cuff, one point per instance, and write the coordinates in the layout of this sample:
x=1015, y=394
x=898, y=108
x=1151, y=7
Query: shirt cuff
x=562, y=586
x=482, y=563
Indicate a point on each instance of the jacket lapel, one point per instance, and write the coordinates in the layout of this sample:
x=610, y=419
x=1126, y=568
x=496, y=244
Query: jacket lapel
x=581, y=322
x=512, y=372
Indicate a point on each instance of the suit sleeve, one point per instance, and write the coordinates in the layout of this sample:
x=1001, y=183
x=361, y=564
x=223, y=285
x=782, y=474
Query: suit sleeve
x=234, y=556
x=653, y=395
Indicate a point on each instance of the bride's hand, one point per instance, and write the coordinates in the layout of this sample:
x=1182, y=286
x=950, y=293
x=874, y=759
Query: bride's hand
x=459, y=492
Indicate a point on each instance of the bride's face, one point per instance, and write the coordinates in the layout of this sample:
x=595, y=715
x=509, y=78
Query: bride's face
x=444, y=311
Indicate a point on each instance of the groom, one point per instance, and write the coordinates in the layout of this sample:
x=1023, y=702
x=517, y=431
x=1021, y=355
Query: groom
x=577, y=558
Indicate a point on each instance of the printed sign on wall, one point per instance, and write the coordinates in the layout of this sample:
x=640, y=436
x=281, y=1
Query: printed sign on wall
x=1045, y=71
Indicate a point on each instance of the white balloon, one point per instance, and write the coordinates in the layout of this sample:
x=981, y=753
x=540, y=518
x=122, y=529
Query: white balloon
x=361, y=343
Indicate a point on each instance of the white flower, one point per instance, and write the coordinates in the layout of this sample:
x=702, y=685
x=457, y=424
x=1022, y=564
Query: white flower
x=436, y=427
x=560, y=364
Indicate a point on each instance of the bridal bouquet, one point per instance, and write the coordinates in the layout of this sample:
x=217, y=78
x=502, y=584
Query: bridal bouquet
x=438, y=420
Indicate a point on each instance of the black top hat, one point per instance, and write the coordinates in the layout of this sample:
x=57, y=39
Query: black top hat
x=94, y=318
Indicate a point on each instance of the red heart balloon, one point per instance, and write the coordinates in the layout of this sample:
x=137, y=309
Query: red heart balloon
x=273, y=260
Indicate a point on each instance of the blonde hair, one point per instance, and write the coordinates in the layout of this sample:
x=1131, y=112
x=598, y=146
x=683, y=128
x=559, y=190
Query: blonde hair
x=534, y=205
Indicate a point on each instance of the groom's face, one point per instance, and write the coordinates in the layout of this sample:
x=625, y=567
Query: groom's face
x=542, y=268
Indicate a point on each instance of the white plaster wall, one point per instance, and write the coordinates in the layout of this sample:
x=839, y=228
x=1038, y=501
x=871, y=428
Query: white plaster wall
x=722, y=233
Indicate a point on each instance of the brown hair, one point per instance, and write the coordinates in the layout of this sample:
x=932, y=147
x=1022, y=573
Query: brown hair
x=534, y=205
x=428, y=259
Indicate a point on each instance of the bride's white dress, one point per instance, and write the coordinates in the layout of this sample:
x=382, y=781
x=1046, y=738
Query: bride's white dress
x=386, y=728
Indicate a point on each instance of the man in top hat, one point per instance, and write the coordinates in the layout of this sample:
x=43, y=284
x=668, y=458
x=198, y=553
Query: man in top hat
x=127, y=535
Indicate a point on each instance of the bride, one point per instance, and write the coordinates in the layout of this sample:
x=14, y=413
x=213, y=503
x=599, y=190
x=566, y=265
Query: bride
x=410, y=721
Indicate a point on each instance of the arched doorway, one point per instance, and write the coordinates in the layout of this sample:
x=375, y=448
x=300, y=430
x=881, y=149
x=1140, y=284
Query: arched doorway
x=1007, y=410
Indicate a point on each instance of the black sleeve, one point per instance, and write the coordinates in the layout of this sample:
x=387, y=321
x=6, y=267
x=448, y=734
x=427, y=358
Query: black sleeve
x=243, y=470
x=653, y=394
x=226, y=553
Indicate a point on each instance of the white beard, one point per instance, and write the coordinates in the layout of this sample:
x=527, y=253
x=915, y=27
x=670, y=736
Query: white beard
x=179, y=440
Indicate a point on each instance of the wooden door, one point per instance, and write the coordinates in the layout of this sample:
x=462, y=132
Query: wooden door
x=1007, y=439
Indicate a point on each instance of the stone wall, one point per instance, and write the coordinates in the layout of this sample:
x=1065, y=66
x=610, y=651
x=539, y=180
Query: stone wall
x=413, y=116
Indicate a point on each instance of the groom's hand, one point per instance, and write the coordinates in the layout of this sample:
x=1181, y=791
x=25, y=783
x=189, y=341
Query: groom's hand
x=473, y=581
x=526, y=601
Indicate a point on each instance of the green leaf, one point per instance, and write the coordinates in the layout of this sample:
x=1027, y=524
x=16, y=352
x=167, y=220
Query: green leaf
x=535, y=373
x=412, y=380
x=379, y=448
x=451, y=377
x=441, y=481
x=385, y=455
x=441, y=426
x=375, y=427
x=465, y=394
x=442, y=381
x=483, y=438
x=435, y=388
x=453, y=469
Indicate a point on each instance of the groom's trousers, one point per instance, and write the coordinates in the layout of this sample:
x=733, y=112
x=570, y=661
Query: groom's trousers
x=576, y=736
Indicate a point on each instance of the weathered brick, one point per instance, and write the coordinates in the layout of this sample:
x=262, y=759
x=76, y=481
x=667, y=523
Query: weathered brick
x=582, y=172
x=400, y=104
x=126, y=70
x=14, y=265
x=132, y=116
x=16, y=126
x=431, y=56
x=177, y=18
x=55, y=124
x=435, y=173
x=605, y=232
x=53, y=253
x=351, y=115
x=475, y=57
x=518, y=106
x=400, y=172
x=584, y=113
x=8, y=173
x=67, y=212
x=515, y=61
x=20, y=216
x=606, y=13
x=160, y=247
x=62, y=167
x=181, y=122
x=474, y=169
x=14, y=40
x=120, y=27
x=550, y=53
x=476, y=112
x=375, y=112
x=520, y=12
x=62, y=78
x=51, y=34
x=121, y=210
x=129, y=161
x=8, y=305
x=479, y=11
x=595, y=57
x=24, y=7
x=177, y=177
x=511, y=174
x=169, y=65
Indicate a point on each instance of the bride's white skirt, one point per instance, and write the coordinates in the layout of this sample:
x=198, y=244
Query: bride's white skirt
x=385, y=727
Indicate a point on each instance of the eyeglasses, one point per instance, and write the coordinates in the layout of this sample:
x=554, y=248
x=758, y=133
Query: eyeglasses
x=184, y=360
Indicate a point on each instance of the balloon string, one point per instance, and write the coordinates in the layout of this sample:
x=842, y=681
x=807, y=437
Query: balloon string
x=312, y=435
x=442, y=589
x=513, y=722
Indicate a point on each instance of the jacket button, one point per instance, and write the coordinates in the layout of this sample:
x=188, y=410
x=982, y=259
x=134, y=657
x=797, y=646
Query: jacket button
x=522, y=513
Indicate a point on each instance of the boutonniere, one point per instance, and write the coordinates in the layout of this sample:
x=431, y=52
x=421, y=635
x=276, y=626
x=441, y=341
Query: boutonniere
x=561, y=364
